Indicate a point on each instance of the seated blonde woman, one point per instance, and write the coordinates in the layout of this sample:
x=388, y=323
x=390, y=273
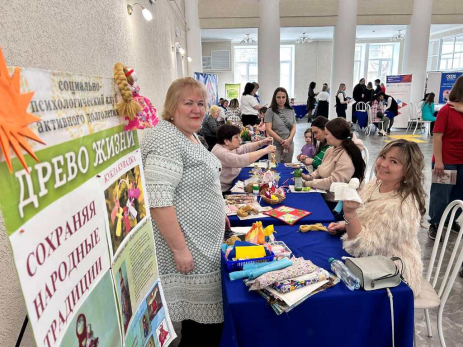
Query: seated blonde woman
x=235, y=156
x=393, y=205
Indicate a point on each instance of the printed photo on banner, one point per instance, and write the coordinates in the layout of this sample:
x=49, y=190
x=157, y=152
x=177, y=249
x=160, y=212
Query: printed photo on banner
x=154, y=302
x=162, y=333
x=153, y=311
x=145, y=326
x=123, y=289
x=96, y=322
x=151, y=342
x=125, y=205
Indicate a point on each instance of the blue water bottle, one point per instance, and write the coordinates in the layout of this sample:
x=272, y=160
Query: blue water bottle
x=342, y=271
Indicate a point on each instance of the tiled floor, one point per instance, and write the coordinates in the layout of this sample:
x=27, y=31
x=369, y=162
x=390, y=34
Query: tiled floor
x=453, y=314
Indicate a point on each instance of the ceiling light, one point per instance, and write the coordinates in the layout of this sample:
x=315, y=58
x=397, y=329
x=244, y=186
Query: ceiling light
x=248, y=40
x=304, y=39
x=146, y=13
x=189, y=59
x=398, y=37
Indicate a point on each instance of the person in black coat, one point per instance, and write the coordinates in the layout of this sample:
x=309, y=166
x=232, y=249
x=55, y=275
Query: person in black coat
x=358, y=95
x=378, y=86
x=311, y=100
x=391, y=106
x=368, y=93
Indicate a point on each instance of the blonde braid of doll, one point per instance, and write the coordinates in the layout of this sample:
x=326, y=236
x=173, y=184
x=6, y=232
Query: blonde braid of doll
x=127, y=106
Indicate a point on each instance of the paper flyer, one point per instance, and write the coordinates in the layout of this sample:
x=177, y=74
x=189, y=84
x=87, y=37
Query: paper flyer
x=55, y=211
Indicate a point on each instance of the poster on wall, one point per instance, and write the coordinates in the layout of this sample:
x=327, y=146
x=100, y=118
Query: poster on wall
x=210, y=80
x=447, y=81
x=133, y=254
x=399, y=86
x=232, y=91
x=54, y=208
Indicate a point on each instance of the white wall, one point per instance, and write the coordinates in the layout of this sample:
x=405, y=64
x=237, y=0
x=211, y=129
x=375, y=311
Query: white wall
x=312, y=63
x=86, y=37
x=223, y=77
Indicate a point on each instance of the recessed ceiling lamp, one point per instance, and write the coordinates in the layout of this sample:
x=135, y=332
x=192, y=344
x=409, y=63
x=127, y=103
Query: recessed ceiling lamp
x=248, y=40
x=304, y=39
x=398, y=37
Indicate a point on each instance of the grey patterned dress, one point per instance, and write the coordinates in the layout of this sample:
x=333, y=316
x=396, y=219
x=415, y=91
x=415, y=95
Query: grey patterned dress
x=185, y=175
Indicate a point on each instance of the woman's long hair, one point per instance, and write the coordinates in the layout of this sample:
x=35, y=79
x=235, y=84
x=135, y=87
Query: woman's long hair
x=312, y=85
x=340, y=87
x=340, y=129
x=248, y=88
x=456, y=94
x=412, y=159
x=320, y=123
x=430, y=98
x=274, y=105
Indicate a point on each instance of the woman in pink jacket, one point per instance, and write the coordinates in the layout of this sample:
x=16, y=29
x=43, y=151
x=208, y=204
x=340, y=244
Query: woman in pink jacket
x=235, y=156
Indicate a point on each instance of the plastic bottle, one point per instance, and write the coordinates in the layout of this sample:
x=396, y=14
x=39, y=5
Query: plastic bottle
x=255, y=189
x=298, y=180
x=342, y=271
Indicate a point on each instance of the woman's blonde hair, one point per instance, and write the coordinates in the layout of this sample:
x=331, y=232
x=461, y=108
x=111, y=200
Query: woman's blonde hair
x=214, y=109
x=175, y=91
x=412, y=159
x=127, y=107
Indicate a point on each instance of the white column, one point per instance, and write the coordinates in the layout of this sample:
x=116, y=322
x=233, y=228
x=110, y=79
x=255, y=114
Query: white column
x=342, y=66
x=193, y=37
x=269, y=49
x=416, y=47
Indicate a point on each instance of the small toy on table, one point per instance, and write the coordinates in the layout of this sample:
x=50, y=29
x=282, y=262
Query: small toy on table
x=312, y=227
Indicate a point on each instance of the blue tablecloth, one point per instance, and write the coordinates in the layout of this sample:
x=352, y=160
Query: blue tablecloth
x=312, y=202
x=335, y=317
x=301, y=110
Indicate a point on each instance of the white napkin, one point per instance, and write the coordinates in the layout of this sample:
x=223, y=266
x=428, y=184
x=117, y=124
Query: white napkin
x=346, y=191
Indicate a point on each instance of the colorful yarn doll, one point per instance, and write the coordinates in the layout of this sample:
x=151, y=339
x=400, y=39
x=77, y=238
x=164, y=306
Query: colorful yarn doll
x=144, y=115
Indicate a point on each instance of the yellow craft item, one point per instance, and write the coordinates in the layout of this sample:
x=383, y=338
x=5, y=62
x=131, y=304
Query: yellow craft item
x=250, y=252
x=274, y=197
x=269, y=230
x=312, y=227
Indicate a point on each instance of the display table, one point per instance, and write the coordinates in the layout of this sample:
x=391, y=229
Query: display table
x=335, y=317
x=362, y=118
x=300, y=110
x=312, y=202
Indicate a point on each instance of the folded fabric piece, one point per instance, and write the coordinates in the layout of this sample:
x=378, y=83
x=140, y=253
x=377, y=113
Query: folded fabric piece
x=346, y=191
x=253, y=266
x=301, y=281
x=276, y=265
x=232, y=253
x=300, y=267
x=280, y=306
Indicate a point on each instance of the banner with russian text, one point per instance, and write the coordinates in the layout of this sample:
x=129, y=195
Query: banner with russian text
x=55, y=209
x=399, y=86
x=447, y=80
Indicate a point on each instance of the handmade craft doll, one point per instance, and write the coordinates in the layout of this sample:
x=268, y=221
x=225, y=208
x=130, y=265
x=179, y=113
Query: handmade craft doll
x=138, y=111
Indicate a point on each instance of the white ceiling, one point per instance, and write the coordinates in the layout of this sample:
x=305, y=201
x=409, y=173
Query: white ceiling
x=317, y=33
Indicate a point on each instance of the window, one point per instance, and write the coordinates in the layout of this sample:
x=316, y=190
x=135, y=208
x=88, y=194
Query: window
x=287, y=68
x=446, y=54
x=245, y=65
x=433, y=55
x=376, y=60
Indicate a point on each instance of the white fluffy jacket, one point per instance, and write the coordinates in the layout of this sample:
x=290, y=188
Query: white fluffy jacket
x=389, y=228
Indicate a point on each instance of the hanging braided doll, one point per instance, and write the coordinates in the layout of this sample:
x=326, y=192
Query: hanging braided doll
x=138, y=111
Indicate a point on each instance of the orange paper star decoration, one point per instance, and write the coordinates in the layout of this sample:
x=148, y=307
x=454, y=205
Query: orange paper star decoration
x=14, y=119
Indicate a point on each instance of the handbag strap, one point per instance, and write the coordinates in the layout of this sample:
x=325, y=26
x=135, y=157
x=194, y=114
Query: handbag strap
x=285, y=121
x=391, y=301
x=397, y=272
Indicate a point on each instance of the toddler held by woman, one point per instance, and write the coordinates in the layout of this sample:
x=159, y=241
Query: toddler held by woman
x=309, y=149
